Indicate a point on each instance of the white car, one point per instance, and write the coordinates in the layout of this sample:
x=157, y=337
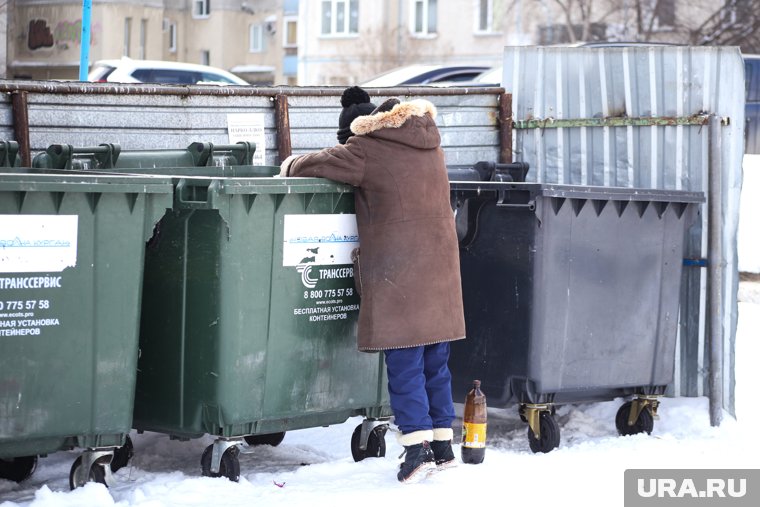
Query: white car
x=127, y=70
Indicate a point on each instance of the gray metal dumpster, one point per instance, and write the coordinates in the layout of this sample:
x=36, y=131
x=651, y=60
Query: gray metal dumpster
x=71, y=268
x=571, y=294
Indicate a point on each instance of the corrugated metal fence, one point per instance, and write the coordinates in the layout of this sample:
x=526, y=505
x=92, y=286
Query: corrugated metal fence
x=143, y=117
x=638, y=117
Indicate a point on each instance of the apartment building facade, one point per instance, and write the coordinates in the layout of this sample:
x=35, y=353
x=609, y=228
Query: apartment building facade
x=336, y=42
x=44, y=36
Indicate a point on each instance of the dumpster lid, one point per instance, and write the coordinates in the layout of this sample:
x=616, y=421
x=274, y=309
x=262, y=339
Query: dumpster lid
x=581, y=192
x=24, y=179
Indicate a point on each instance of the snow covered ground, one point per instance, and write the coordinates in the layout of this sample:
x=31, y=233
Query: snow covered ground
x=314, y=467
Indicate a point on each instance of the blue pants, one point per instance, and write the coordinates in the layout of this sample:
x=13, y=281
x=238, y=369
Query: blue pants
x=419, y=384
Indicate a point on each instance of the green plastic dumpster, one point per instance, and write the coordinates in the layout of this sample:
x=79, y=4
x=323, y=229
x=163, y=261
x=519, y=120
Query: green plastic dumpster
x=571, y=294
x=71, y=264
x=249, y=317
x=212, y=258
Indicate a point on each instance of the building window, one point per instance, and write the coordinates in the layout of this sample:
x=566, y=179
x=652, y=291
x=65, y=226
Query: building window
x=560, y=33
x=662, y=13
x=256, y=39
x=666, y=13
x=290, y=35
x=340, y=17
x=424, y=17
x=201, y=8
x=205, y=57
x=127, y=35
x=489, y=16
x=143, y=37
x=172, y=37
x=736, y=11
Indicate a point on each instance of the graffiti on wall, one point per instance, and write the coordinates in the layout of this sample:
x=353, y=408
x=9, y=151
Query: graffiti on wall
x=40, y=34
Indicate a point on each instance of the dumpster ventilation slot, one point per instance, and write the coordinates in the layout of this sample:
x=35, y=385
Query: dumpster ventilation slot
x=93, y=199
x=641, y=207
x=620, y=206
x=248, y=202
x=338, y=200
x=57, y=198
x=131, y=200
x=661, y=207
x=578, y=205
x=679, y=208
x=599, y=205
x=20, y=197
x=557, y=204
x=308, y=198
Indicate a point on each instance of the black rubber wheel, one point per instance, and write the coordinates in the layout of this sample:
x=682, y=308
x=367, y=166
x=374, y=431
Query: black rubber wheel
x=122, y=455
x=97, y=471
x=229, y=466
x=644, y=424
x=273, y=439
x=17, y=469
x=375, y=443
x=549, y=434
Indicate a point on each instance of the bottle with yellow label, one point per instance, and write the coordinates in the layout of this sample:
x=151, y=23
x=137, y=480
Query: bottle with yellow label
x=474, y=425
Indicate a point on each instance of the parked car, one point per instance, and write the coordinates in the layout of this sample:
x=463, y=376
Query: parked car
x=419, y=74
x=127, y=70
x=490, y=77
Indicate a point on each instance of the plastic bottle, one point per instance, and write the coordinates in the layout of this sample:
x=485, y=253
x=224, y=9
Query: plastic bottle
x=474, y=425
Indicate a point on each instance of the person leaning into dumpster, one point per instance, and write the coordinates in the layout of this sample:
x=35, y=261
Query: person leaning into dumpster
x=407, y=268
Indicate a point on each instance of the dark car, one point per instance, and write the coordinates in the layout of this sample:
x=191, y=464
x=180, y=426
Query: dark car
x=425, y=75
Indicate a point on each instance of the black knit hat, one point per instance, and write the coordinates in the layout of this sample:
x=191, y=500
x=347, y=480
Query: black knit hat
x=355, y=102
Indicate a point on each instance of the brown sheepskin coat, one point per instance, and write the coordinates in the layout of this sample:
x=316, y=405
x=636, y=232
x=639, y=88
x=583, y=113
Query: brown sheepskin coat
x=408, y=267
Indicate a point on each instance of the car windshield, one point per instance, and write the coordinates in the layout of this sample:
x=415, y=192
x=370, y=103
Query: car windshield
x=398, y=76
x=210, y=77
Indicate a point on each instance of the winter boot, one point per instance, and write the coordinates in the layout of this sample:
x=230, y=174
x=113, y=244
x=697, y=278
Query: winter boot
x=419, y=462
x=441, y=446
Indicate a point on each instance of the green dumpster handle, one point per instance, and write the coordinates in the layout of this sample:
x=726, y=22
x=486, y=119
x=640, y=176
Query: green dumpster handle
x=197, y=194
x=9, y=154
x=240, y=153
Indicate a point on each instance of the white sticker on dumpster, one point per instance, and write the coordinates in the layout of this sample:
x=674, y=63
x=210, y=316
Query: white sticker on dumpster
x=319, y=239
x=37, y=243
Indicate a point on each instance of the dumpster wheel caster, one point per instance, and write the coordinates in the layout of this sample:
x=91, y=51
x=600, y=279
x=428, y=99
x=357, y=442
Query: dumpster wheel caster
x=375, y=443
x=97, y=472
x=229, y=466
x=17, y=469
x=122, y=455
x=549, y=438
x=273, y=439
x=643, y=424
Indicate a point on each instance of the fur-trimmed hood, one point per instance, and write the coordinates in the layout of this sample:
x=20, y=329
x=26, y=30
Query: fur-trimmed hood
x=388, y=124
